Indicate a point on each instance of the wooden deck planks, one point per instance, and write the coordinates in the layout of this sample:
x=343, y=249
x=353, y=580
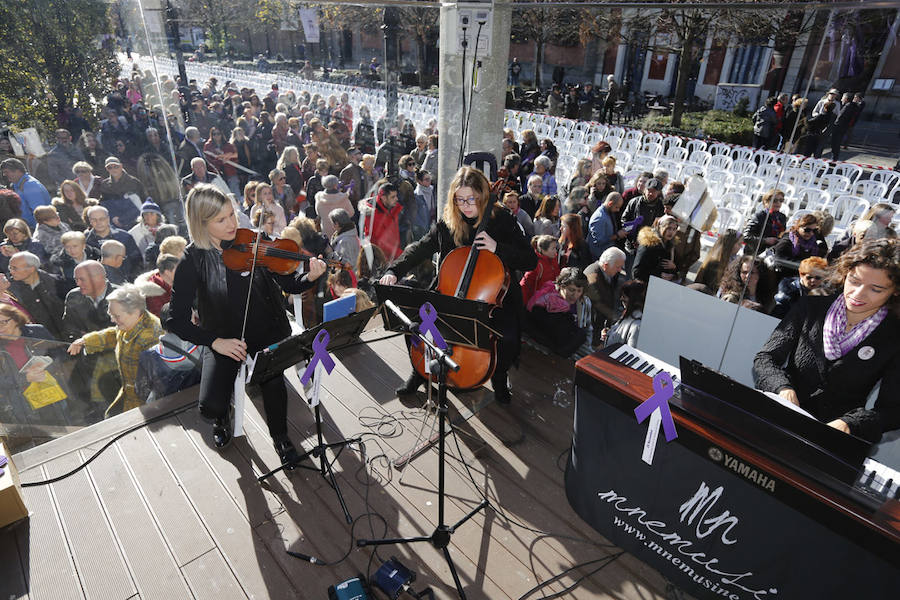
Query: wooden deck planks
x=150, y=561
x=210, y=578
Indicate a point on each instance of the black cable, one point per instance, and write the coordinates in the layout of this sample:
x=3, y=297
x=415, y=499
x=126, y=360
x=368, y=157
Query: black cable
x=468, y=117
x=609, y=559
x=462, y=123
x=112, y=441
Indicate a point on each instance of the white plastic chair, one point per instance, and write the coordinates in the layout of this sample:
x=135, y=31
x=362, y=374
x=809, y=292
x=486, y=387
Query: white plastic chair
x=630, y=145
x=720, y=149
x=634, y=134
x=623, y=159
x=677, y=153
x=737, y=201
x=652, y=149
x=719, y=182
x=694, y=145
x=888, y=178
x=816, y=166
x=691, y=169
x=835, y=184
x=769, y=171
x=728, y=218
x=643, y=163
x=742, y=167
x=652, y=137
x=672, y=167
x=813, y=198
x=742, y=153
x=847, y=209
x=749, y=185
x=850, y=171
x=873, y=191
x=630, y=177
x=719, y=162
x=699, y=157
x=767, y=157
x=799, y=177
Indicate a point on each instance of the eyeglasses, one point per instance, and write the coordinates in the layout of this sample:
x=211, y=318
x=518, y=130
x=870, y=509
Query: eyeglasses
x=460, y=201
x=809, y=229
x=5, y=322
x=813, y=277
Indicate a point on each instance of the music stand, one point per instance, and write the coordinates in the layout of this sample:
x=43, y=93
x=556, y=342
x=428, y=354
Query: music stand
x=273, y=361
x=468, y=311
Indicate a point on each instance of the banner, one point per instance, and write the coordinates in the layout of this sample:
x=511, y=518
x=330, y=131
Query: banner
x=707, y=520
x=309, y=18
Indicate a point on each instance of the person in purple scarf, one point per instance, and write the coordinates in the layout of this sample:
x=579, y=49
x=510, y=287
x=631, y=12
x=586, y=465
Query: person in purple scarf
x=829, y=352
x=802, y=241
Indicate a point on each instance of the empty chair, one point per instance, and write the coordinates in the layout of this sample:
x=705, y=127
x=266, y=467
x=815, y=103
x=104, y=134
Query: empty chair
x=653, y=149
x=812, y=198
x=615, y=132
x=871, y=190
x=652, y=137
x=699, y=157
x=743, y=167
x=799, y=177
x=750, y=185
x=847, y=209
x=769, y=171
x=693, y=145
x=643, y=163
x=677, y=153
x=742, y=153
x=600, y=130
x=767, y=157
x=720, y=149
x=719, y=162
x=634, y=134
x=728, y=218
x=630, y=145
x=816, y=166
x=888, y=178
x=737, y=201
x=670, y=141
x=851, y=172
x=719, y=182
x=834, y=184
x=623, y=159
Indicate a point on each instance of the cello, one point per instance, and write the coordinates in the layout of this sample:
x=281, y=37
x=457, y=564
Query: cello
x=469, y=273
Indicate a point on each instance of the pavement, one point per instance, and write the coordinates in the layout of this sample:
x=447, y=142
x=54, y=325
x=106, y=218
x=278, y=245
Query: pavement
x=875, y=143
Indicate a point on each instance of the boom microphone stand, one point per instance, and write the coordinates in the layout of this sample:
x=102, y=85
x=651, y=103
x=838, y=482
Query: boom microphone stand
x=440, y=538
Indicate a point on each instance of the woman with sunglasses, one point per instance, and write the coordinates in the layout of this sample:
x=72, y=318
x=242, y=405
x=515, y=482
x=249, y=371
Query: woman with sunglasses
x=802, y=241
x=468, y=203
x=829, y=352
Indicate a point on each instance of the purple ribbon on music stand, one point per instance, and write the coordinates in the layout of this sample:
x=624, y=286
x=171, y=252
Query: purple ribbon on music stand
x=320, y=355
x=663, y=389
x=429, y=317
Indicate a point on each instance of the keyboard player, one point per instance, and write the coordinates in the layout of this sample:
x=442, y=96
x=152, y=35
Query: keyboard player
x=829, y=352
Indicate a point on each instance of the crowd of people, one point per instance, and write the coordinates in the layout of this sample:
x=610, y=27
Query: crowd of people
x=96, y=231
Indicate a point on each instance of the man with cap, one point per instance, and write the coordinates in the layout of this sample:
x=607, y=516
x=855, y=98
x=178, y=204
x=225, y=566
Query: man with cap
x=144, y=233
x=832, y=96
x=612, y=96
x=121, y=194
x=642, y=211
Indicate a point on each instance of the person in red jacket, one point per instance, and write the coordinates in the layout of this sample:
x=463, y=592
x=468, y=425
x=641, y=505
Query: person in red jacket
x=383, y=224
x=546, y=247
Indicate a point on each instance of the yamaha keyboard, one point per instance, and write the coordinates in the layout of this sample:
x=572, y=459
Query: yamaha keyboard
x=816, y=504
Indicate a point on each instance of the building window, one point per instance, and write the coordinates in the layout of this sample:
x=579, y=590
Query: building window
x=747, y=63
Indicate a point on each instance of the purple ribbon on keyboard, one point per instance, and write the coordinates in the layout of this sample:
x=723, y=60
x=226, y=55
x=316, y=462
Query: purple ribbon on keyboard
x=663, y=389
x=320, y=355
x=429, y=317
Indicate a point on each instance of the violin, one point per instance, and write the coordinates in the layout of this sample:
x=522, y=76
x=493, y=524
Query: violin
x=281, y=256
x=474, y=274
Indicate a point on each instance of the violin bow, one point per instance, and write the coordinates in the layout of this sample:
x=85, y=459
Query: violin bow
x=250, y=286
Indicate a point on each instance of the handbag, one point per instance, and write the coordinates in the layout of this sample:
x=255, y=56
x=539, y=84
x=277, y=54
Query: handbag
x=44, y=393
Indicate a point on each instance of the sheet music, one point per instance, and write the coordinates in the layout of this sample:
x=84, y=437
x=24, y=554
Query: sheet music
x=788, y=404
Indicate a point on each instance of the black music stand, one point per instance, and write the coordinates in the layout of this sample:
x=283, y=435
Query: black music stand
x=273, y=361
x=467, y=312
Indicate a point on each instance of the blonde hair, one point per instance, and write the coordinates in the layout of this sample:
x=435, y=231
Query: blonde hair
x=174, y=245
x=286, y=154
x=72, y=236
x=770, y=195
x=475, y=179
x=18, y=224
x=203, y=203
x=263, y=186
x=44, y=213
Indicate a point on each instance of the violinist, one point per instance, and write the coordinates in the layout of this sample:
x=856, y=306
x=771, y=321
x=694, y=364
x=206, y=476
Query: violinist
x=230, y=324
x=468, y=203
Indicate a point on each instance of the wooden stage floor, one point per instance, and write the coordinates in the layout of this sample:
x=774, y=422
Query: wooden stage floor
x=162, y=514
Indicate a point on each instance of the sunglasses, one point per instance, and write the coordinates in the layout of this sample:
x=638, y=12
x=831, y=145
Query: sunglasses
x=809, y=229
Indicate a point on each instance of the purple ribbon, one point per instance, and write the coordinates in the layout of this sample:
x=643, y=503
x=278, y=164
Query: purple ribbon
x=631, y=225
x=663, y=390
x=320, y=355
x=429, y=317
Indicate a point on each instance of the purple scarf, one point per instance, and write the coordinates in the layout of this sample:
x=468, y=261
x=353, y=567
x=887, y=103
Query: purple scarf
x=837, y=342
x=811, y=246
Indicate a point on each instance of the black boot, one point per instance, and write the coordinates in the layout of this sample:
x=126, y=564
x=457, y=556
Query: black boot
x=287, y=454
x=222, y=432
x=501, y=389
x=411, y=385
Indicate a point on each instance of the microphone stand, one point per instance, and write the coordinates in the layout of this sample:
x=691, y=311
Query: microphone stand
x=440, y=538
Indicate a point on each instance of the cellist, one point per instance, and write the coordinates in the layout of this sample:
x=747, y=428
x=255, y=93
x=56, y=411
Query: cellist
x=234, y=318
x=468, y=202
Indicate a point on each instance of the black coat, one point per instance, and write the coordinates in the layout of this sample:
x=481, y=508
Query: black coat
x=755, y=230
x=42, y=302
x=833, y=389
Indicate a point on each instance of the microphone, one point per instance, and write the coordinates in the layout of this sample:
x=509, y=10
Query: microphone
x=410, y=326
x=307, y=558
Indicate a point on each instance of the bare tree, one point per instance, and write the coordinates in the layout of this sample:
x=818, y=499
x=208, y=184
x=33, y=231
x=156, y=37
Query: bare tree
x=544, y=25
